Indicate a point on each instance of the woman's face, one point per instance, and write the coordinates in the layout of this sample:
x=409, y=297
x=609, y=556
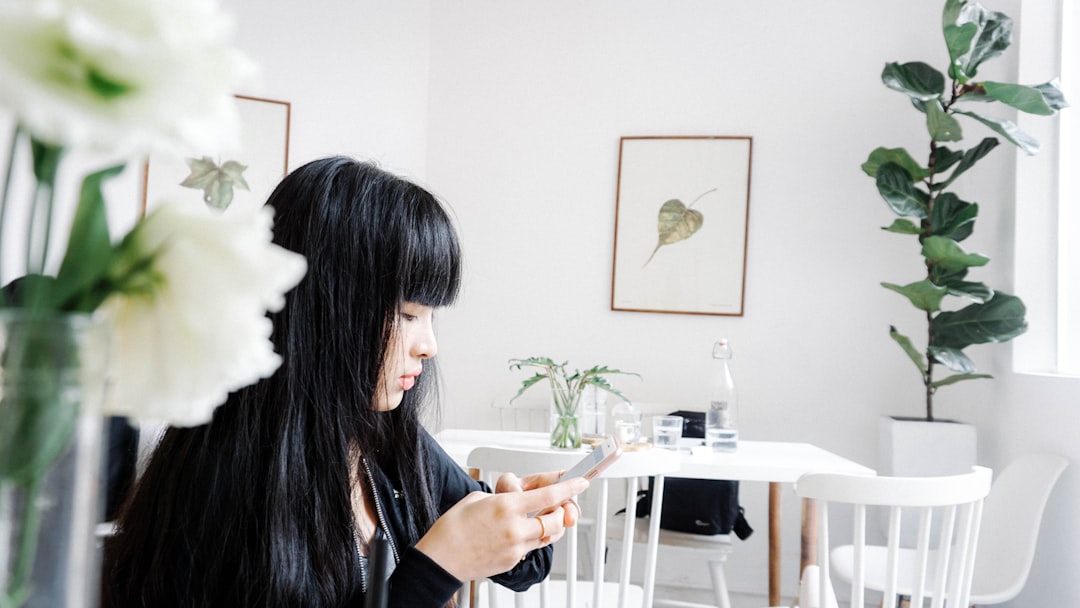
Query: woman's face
x=412, y=341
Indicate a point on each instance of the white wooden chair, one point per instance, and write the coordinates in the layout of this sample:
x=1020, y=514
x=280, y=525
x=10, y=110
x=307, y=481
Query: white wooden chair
x=491, y=461
x=713, y=550
x=936, y=569
x=1010, y=528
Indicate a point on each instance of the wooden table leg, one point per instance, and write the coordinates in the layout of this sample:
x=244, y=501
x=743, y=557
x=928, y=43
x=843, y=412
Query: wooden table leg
x=473, y=587
x=808, y=554
x=774, y=543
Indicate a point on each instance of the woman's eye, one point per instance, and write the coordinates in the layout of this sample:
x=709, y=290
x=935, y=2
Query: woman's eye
x=407, y=317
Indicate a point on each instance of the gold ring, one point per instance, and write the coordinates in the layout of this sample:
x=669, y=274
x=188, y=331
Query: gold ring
x=543, y=530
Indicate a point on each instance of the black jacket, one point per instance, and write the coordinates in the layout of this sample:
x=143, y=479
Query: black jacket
x=416, y=579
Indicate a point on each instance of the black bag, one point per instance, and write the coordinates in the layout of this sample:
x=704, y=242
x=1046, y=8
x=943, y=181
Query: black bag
x=697, y=506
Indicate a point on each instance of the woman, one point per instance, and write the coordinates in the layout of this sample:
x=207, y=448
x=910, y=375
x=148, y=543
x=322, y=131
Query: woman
x=275, y=501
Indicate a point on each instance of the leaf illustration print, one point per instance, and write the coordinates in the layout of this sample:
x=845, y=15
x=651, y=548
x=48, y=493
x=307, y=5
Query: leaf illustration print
x=677, y=222
x=215, y=181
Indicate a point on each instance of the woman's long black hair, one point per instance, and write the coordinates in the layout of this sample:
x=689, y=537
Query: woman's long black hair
x=253, y=509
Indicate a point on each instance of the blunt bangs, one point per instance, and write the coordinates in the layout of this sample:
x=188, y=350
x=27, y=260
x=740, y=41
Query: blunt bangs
x=431, y=264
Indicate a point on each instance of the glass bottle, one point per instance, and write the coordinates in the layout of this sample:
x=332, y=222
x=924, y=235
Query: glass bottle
x=721, y=419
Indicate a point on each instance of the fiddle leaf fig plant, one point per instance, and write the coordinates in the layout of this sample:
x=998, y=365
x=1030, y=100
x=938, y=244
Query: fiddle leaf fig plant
x=918, y=191
x=566, y=390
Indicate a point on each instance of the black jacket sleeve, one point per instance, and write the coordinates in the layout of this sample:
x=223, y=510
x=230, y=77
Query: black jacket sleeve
x=419, y=581
x=451, y=483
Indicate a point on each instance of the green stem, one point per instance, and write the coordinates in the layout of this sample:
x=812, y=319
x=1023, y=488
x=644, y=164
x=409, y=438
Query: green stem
x=7, y=189
x=31, y=522
x=37, y=246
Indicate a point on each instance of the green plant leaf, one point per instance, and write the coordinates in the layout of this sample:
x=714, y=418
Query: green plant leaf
x=958, y=39
x=946, y=253
x=993, y=36
x=976, y=292
x=903, y=226
x=915, y=79
x=1051, y=92
x=81, y=282
x=944, y=277
x=900, y=156
x=675, y=222
x=912, y=353
x=953, y=358
x=998, y=320
x=957, y=378
x=924, y=295
x=567, y=387
x=952, y=218
x=1008, y=130
x=944, y=158
x=970, y=157
x=1023, y=98
x=895, y=185
x=940, y=125
x=951, y=13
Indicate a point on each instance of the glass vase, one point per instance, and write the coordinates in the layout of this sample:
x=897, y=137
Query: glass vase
x=52, y=384
x=565, y=421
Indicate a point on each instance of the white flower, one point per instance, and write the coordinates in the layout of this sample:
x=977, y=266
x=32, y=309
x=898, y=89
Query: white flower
x=124, y=76
x=201, y=330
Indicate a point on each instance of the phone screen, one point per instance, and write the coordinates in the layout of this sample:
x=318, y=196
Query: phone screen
x=583, y=466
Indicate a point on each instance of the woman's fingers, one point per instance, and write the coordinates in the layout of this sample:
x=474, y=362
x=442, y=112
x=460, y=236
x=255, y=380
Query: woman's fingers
x=571, y=513
x=539, y=480
x=539, y=499
x=508, y=482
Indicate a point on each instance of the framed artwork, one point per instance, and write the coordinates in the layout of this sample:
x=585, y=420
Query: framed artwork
x=243, y=180
x=681, y=216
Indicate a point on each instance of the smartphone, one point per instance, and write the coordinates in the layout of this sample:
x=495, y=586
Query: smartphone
x=595, y=461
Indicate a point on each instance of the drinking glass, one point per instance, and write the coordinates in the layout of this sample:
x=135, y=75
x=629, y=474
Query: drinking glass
x=667, y=431
x=627, y=423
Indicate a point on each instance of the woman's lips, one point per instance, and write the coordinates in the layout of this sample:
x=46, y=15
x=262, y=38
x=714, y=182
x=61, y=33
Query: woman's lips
x=407, y=381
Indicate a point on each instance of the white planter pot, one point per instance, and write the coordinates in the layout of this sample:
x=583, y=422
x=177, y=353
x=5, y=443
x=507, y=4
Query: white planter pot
x=913, y=447
x=917, y=448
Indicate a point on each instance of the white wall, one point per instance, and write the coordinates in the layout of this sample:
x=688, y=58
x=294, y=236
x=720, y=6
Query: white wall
x=355, y=73
x=512, y=111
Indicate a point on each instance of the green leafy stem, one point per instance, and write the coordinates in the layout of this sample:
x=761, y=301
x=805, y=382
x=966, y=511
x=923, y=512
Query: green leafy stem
x=566, y=390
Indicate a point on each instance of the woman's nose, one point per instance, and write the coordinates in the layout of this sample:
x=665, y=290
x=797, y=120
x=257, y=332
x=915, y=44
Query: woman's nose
x=424, y=345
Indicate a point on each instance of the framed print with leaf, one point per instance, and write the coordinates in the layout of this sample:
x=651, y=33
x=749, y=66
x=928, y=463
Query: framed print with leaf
x=244, y=179
x=681, y=216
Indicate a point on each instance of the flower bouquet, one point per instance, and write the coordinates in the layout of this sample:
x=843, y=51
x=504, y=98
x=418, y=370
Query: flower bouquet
x=159, y=324
x=566, y=391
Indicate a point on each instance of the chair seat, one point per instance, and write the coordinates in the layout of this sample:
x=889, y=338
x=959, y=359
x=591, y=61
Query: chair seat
x=710, y=542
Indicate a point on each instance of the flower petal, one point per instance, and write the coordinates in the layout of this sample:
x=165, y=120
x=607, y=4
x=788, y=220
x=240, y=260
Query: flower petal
x=203, y=333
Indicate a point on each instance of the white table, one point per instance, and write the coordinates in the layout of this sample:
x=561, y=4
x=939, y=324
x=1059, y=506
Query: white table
x=774, y=462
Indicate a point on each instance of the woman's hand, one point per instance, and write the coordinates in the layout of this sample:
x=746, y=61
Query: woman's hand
x=485, y=534
x=508, y=482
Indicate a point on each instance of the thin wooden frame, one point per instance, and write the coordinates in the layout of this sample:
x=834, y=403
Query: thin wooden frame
x=682, y=212
x=264, y=149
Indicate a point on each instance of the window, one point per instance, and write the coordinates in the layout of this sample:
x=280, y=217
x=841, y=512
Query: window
x=1068, y=305
x=1048, y=196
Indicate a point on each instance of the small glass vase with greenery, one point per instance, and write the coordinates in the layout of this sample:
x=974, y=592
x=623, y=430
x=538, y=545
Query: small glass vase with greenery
x=920, y=192
x=566, y=391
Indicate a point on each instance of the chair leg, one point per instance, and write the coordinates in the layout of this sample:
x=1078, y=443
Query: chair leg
x=716, y=571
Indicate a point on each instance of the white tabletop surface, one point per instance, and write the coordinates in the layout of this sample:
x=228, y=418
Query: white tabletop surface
x=772, y=461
